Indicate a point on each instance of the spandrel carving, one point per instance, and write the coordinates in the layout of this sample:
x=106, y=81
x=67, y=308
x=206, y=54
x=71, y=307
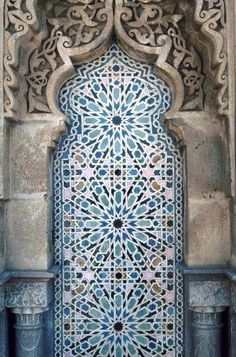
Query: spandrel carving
x=156, y=23
x=78, y=23
x=42, y=37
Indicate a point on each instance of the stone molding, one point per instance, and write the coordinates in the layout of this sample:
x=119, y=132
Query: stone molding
x=27, y=289
x=57, y=35
x=28, y=316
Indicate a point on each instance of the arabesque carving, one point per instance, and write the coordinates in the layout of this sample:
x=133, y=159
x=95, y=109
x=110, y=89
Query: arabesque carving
x=26, y=295
x=20, y=25
x=156, y=24
x=45, y=38
x=80, y=22
x=211, y=16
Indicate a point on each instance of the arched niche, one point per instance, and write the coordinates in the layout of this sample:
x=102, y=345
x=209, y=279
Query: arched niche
x=118, y=212
x=38, y=59
x=155, y=33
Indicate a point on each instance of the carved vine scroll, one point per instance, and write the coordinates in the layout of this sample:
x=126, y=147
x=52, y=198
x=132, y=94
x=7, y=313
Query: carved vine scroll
x=45, y=38
x=211, y=16
x=80, y=22
x=20, y=25
x=156, y=25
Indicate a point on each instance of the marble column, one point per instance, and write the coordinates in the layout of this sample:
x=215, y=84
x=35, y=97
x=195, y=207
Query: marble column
x=28, y=301
x=208, y=300
x=29, y=331
x=207, y=331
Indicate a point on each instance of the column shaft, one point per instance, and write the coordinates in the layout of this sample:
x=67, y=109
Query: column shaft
x=207, y=326
x=28, y=332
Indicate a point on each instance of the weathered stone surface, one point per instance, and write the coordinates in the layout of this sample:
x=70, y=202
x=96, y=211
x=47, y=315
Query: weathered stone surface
x=2, y=238
x=3, y=334
x=4, y=164
x=209, y=293
x=208, y=240
x=29, y=157
x=28, y=234
x=206, y=154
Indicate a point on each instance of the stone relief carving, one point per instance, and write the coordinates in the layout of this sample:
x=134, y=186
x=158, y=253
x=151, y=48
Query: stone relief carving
x=26, y=295
x=211, y=16
x=75, y=30
x=20, y=25
x=79, y=22
x=157, y=24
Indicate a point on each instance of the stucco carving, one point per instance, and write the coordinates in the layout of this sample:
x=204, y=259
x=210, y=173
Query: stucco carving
x=57, y=34
x=26, y=295
x=211, y=16
x=154, y=28
x=72, y=24
x=20, y=25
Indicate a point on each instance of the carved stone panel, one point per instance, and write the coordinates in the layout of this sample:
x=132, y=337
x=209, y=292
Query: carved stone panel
x=26, y=295
x=52, y=35
x=154, y=28
x=70, y=24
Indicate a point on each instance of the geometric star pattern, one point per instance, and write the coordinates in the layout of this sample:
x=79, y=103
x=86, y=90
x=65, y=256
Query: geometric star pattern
x=118, y=214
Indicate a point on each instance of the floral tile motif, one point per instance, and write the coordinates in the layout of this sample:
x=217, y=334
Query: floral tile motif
x=118, y=215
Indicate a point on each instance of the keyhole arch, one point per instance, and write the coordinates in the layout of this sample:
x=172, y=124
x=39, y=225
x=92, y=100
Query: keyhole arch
x=101, y=208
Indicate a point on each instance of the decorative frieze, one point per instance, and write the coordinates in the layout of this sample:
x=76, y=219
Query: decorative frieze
x=26, y=295
x=58, y=34
x=21, y=24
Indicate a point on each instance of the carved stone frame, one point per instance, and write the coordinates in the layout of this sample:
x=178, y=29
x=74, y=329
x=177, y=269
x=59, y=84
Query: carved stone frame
x=206, y=133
